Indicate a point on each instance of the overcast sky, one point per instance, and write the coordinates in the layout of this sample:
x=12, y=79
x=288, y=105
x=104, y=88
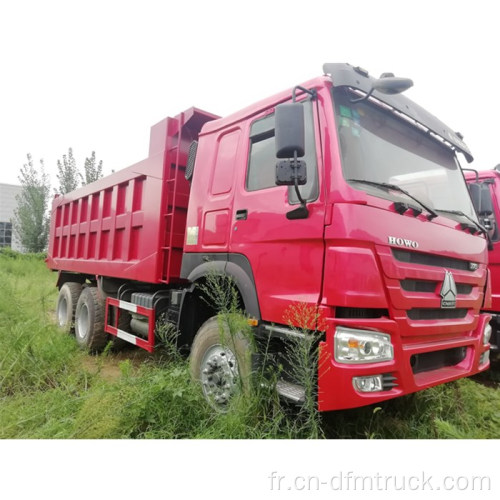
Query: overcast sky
x=95, y=75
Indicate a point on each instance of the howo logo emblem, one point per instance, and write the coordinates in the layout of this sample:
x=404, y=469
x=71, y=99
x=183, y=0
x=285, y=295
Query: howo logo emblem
x=402, y=242
x=448, y=292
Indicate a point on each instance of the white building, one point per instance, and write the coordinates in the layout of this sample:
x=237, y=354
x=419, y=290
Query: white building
x=8, y=204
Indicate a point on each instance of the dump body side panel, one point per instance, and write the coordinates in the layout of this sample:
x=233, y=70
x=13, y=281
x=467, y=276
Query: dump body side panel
x=131, y=224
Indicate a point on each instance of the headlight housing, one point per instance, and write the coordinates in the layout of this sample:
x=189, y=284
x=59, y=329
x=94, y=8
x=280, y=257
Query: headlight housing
x=372, y=383
x=353, y=346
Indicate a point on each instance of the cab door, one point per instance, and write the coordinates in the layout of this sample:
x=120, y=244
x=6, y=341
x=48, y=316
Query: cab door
x=285, y=256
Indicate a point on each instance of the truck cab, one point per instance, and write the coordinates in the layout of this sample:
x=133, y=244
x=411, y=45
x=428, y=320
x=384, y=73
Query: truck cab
x=383, y=252
x=484, y=188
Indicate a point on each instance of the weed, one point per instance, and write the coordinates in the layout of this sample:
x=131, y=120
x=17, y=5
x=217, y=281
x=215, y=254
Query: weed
x=257, y=403
x=302, y=353
x=46, y=391
x=167, y=336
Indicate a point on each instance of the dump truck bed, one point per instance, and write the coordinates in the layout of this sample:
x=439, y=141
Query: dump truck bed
x=130, y=224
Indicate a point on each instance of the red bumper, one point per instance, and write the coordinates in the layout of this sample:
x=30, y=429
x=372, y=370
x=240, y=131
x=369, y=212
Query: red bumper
x=335, y=380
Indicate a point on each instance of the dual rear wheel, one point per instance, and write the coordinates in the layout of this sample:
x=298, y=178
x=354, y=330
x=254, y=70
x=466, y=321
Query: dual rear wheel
x=66, y=306
x=81, y=311
x=89, y=321
x=219, y=360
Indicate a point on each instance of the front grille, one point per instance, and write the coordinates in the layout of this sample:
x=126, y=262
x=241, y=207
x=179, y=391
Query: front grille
x=430, y=260
x=431, y=286
x=428, y=361
x=358, y=312
x=419, y=286
x=429, y=314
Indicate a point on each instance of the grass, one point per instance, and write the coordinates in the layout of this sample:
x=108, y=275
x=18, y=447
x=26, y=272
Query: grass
x=51, y=389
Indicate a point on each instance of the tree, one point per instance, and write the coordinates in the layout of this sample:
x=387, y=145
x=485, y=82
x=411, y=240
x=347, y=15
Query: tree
x=67, y=173
x=92, y=172
x=31, y=222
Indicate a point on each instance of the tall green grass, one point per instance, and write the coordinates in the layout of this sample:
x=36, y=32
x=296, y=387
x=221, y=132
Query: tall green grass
x=50, y=389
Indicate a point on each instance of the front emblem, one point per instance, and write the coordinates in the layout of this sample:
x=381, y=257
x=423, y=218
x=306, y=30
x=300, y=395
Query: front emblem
x=448, y=292
x=402, y=242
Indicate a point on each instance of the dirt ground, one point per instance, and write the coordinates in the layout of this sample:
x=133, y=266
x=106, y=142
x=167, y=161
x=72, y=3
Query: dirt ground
x=108, y=365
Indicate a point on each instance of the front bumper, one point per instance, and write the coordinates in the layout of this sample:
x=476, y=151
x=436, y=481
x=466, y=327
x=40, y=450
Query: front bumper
x=417, y=364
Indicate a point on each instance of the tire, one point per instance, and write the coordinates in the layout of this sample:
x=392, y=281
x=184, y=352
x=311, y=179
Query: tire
x=89, y=321
x=221, y=363
x=66, y=306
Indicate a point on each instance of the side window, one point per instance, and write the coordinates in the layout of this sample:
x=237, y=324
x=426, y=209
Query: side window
x=5, y=234
x=262, y=159
x=261, y=174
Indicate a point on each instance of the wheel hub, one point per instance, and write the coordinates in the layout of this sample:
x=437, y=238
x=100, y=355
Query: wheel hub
x=62, y=312
x=83, y=321
x=219, y=375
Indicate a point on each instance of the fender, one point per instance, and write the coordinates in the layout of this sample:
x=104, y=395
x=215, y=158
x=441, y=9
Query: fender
x=63, y=277
x=196, y=266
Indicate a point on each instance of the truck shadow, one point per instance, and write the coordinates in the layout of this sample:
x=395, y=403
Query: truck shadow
x=491, y=377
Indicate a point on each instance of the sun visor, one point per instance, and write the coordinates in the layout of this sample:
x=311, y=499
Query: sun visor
x=346, y=75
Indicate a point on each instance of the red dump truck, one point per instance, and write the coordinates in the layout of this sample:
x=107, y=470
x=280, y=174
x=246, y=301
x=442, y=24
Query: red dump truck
x=484, y=187
x=339, y=194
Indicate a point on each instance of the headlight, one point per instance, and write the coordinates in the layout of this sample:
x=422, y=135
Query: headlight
x=487, y=334
x=361, y=346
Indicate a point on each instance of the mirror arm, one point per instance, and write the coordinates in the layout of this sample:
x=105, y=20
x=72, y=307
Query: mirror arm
x=297, y=192
x=295, y=166
x=311, y=92
x=363, y=98
x=301, y=212
x=476, y=173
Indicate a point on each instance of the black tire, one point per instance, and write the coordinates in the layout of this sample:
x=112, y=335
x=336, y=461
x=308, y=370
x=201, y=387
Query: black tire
x=66, y=306
x=89, y=321
x=224, y=357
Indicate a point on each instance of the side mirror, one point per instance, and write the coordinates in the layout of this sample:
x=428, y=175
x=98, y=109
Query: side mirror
x=289, y=130
x=387, y=84
x=290, y=143
x=391, y=84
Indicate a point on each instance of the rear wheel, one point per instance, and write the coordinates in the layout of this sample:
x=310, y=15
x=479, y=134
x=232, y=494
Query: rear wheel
x=89, y=321
x=66, y=306
x=221, y=362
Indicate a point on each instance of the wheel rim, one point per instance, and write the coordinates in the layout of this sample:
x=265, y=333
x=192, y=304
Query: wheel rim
x=219, y=375
x=62, y=311
x=83, y=321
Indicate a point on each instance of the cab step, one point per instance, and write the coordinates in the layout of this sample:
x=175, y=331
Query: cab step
x=292, y=392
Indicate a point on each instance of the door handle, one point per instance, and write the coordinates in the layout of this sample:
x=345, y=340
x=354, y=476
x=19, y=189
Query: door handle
x=241, y=214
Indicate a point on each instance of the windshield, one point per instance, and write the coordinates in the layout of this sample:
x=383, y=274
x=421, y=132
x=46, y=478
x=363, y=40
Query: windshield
x=378, y=146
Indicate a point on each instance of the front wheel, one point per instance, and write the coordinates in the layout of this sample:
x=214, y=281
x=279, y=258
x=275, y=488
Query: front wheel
x=221, y=362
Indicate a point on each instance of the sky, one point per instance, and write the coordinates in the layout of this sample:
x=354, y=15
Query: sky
x=95, y=75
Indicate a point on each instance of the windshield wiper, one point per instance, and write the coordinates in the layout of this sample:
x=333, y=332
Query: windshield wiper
x=394, y=187
x=477, y=226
